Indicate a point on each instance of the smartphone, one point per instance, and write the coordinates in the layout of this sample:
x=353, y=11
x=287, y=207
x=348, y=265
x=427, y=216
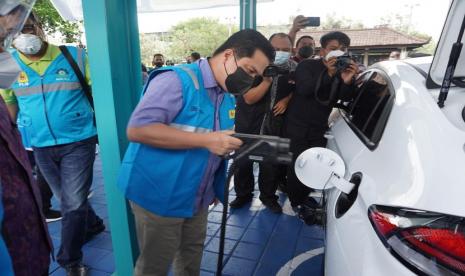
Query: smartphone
x=312, y=22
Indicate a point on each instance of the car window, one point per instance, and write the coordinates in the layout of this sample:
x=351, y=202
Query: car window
x=367, y=111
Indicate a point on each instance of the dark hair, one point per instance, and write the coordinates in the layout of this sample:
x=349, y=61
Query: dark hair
x=280, y=35
x=341, y=37
x=245, y=42
x=158, y=55
x=303, y=37
x=195, y=55
x=37, y=26
x=33, y=17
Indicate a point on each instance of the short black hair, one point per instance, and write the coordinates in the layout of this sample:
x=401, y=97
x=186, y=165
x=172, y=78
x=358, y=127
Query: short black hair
x=341, y=37
x=245, y=42
x=195, y=55
x=303, y=37
x=281, y=35
x=158, y=55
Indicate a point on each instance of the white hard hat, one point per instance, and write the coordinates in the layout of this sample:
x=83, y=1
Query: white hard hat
x=13, y=14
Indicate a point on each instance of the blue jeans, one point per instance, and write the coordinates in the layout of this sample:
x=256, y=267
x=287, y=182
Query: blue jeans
x=69, y=170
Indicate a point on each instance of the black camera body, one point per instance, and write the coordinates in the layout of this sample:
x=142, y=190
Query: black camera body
x=273, y=71
x=343, y=62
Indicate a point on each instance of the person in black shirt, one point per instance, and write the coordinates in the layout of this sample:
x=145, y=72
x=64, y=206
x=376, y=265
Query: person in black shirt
x=307, y=117
x=261, y=111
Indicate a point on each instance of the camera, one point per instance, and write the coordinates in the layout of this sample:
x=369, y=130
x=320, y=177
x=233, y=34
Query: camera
x=273, y=70
x=343, y=62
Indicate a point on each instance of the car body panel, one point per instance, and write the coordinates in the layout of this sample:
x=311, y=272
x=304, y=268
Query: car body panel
x=418, y=163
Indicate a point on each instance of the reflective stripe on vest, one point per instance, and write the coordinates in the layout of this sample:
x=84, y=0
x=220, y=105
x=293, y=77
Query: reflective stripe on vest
x=47, y=88
x=190, y=128
x=191, y=74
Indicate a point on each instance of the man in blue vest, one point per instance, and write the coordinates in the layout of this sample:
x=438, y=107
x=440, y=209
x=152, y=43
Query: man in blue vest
x=58, y=119
x=172, y=170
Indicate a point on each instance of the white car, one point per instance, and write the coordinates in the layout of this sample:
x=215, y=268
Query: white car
x=406, y=157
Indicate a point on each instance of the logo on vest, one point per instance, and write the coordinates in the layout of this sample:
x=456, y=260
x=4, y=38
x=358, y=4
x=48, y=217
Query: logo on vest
x=23, y=80
x=62, y=74
x=232, y=113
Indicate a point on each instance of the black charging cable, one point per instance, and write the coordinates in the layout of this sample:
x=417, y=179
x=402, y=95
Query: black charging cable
x=231, y=171
x=258, y=148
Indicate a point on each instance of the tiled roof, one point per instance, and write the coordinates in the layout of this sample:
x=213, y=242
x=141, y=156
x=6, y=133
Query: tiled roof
x=382, y=36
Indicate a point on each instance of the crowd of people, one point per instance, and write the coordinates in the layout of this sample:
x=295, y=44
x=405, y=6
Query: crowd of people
x=186, y=118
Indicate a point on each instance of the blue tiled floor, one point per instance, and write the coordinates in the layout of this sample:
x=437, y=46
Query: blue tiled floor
x=258, y=242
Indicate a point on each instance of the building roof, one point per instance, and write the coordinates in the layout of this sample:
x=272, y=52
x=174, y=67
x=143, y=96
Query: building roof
x=371, y=38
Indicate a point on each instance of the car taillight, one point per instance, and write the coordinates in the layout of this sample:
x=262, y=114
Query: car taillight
x=427, y=242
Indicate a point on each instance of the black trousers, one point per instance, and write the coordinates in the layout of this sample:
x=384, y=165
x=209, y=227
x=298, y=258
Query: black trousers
x=244, y=181
x=296, y=190
x=45, y=191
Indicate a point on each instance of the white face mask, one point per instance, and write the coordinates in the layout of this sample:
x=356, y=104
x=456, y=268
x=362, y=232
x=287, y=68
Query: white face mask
x=9, y=70
x=335, y=53
x=281, y=57
x=28, y=44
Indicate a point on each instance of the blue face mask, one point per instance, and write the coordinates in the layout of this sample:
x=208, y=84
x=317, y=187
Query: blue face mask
x=281, y=57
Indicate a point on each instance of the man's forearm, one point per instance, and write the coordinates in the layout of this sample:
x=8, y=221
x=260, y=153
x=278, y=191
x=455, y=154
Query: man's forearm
x=163, y=136
x=255, y=94
x=292, y=35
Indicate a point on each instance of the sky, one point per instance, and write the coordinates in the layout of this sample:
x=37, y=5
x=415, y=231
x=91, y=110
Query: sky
x=427, y=16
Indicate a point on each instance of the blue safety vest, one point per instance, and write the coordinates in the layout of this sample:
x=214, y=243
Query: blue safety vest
x=53, y=109
x=166, y=181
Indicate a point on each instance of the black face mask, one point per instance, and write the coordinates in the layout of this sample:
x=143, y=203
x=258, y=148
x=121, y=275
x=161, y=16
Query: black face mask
x=159, y=64
x=239, y=82
x=306, y=51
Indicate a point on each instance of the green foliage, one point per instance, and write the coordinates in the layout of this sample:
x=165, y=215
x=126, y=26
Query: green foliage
x=202, y=35
x=151, y=44
x=53, y=23
x=403, y=24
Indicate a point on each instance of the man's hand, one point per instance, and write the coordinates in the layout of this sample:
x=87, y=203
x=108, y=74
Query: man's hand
x=222, y=143
x=349, y=73
x=298, y=24
x=331, y=66
x=281, y=106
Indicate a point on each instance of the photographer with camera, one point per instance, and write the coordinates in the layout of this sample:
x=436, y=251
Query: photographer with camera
x=320, y=83
x=261, y=111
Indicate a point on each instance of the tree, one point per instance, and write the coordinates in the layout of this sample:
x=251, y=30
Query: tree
x=202, y=35
x=151, y=44
x=53, y=23
x=403, y=24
